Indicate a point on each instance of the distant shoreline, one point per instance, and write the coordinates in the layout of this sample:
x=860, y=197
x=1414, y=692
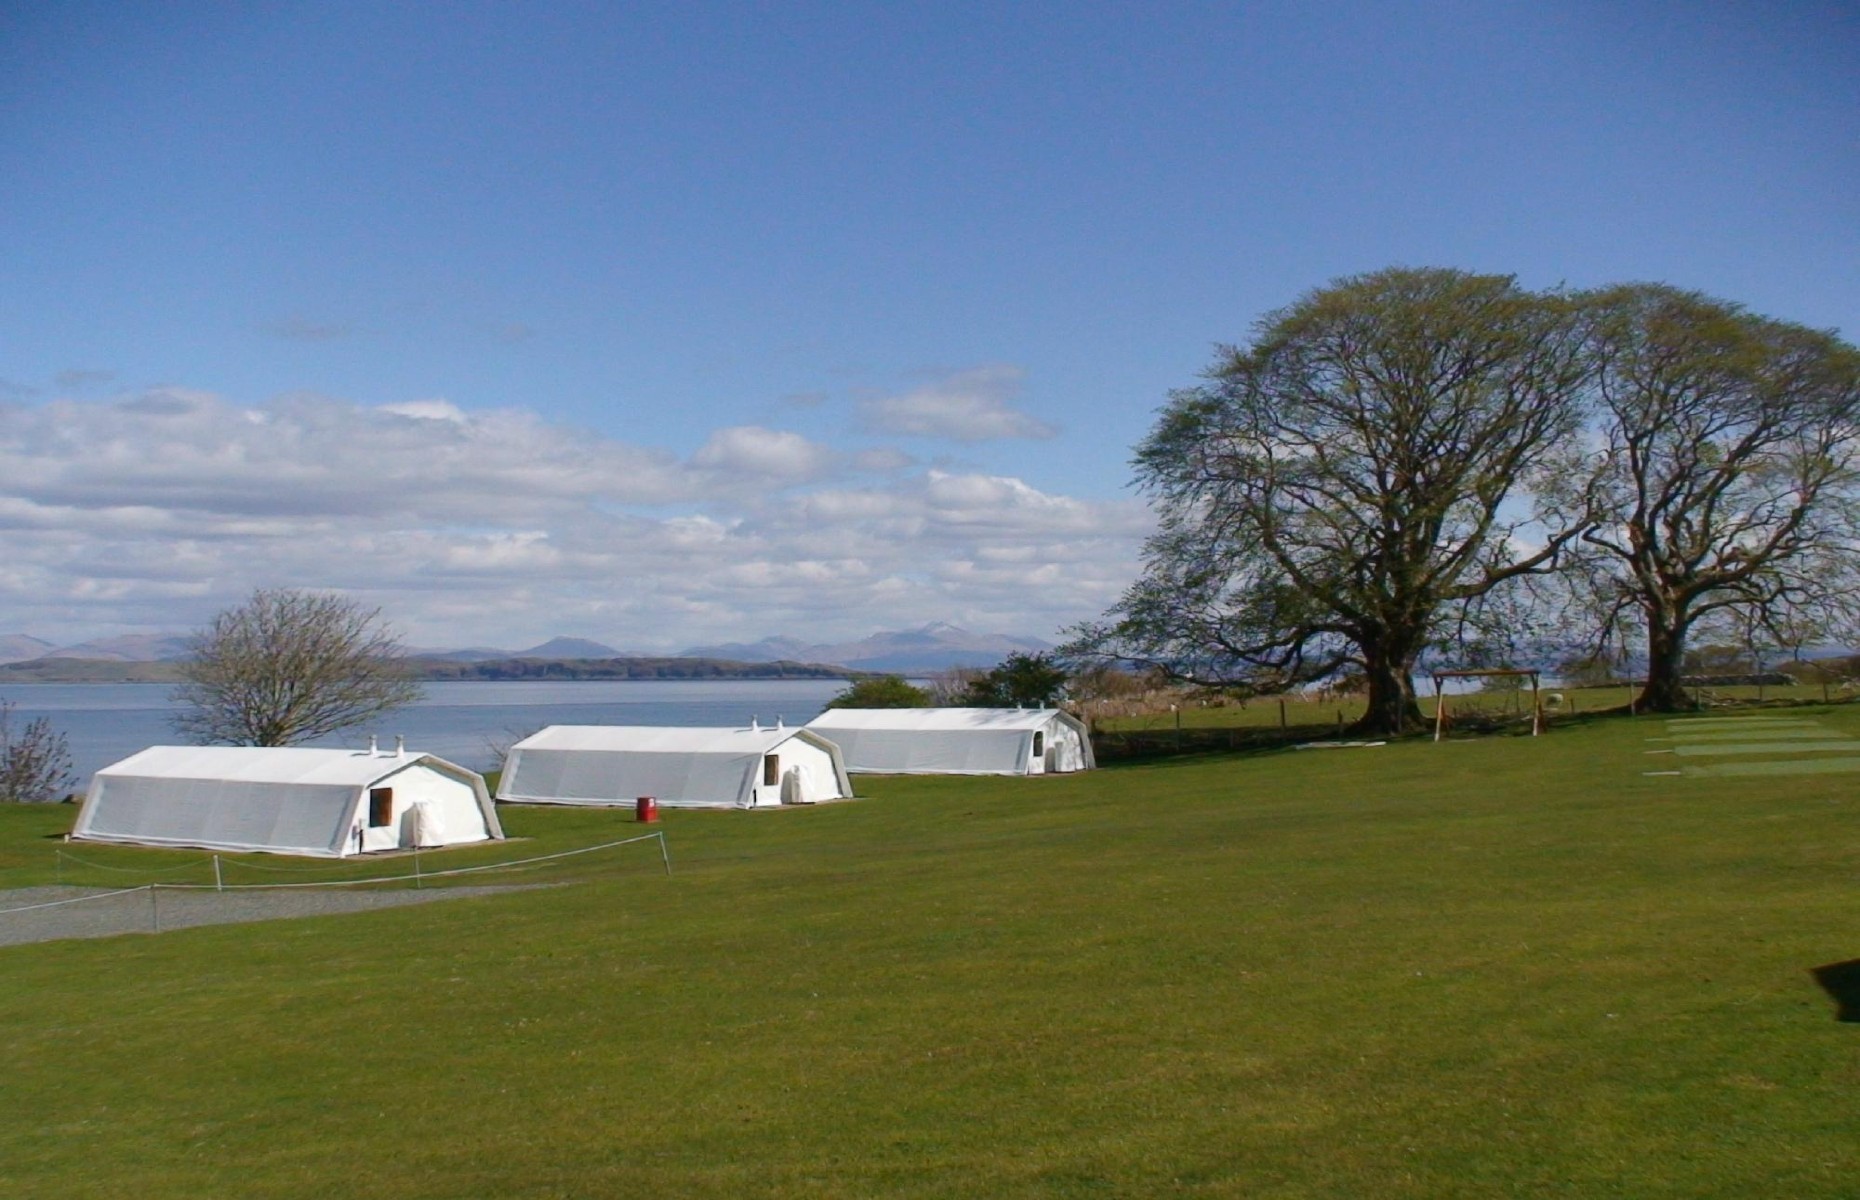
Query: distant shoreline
x=502, y=670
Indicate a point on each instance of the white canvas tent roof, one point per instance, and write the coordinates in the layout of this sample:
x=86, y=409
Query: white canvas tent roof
x=679, y=766
x=950, y=741
x=283, y=799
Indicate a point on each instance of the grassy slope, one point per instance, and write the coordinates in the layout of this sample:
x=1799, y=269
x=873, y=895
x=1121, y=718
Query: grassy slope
x=1509, y=967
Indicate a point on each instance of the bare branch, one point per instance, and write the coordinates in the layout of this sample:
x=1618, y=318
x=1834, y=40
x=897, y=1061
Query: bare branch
x=35, y=760
x=288, y=667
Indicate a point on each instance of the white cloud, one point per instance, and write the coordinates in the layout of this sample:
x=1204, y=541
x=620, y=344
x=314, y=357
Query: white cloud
x=967, y=406
x=428, y=410
x=499, y=527
x=764, y=455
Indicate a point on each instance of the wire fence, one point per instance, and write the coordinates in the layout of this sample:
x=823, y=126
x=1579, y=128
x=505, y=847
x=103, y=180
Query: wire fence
x=417, y=877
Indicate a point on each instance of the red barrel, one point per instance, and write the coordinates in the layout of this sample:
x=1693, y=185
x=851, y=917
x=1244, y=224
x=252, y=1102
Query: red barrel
x=646, y=809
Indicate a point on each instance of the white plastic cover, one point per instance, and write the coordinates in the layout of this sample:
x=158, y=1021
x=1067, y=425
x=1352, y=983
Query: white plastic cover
x=421, y=827
x=956, y=741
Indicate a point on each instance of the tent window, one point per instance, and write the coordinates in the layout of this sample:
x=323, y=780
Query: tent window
x=771, y=770
x=380, y=807
x=1039, y=742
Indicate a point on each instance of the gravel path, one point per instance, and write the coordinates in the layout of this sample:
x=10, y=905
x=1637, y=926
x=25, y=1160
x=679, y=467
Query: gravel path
x=136, y=912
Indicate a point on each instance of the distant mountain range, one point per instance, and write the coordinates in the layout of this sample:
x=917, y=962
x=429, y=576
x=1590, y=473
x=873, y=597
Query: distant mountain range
x=933, y=647
x=18, y=647
x=560, y=648
x=139, y=647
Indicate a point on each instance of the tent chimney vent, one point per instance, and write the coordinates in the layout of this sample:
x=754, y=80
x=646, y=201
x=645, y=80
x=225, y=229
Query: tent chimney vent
x=755, y=726
x=400, y=745
x=374, y=745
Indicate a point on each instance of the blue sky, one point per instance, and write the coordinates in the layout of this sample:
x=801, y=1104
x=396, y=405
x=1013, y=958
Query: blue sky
x=665, y=324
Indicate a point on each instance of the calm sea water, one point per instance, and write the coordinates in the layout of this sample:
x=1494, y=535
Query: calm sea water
x=464, y=722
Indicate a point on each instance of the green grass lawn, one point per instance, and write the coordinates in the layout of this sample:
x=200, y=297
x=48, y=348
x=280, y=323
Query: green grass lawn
x=1500, y=967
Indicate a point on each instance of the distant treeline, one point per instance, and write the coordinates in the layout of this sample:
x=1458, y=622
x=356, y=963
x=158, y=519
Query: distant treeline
x=88, y=670
x=624, y=668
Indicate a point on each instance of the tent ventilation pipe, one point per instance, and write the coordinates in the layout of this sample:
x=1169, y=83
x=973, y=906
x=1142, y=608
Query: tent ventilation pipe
x=755, y=726
x=400, y=745
x=374, y=746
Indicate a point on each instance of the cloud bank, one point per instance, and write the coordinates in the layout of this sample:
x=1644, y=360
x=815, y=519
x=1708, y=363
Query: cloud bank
x=151, y=511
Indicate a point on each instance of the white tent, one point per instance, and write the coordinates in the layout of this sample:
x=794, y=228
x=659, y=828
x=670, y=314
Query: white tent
x=958, y=741
x=286, y=800
x=677, y=766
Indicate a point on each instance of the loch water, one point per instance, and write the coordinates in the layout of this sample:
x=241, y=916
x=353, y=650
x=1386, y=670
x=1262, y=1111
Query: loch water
x=466, y=722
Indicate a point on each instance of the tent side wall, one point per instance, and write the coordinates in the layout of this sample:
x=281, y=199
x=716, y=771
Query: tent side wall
x=619, y=777
x=218, y=814
x=958, y=742
x=934, y=751
x=736, y=768
x=301, y=817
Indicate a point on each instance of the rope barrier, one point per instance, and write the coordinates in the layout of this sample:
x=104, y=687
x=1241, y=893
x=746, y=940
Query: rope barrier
x=423, y=875
x=72, y=858
x=82, y=899
x=257, y=866
x=664, y=855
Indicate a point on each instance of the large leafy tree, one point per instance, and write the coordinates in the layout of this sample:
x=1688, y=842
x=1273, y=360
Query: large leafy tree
x=1020, y=680
x=1342, y=493
x=290, y=666
x=881, y=691
x=1727, y=488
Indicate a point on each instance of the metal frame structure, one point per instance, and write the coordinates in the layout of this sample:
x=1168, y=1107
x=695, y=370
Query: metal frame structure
x=1440, y=696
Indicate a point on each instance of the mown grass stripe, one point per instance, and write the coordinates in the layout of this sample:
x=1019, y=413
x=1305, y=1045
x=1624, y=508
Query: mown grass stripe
x=1744, y=722
x=1781, y=728
x=1847, y=745
x=1800, y=766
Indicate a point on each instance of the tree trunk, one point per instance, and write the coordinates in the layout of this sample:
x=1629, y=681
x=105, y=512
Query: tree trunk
x=1666, y=656
x=1392, y=706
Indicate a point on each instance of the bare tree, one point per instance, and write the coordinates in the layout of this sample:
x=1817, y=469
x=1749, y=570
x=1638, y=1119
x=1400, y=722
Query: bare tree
x=1730, y=477
x=497, y=746
x=1343, y=493
x=950, y=687
x=35, y=761
x=290, y=666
